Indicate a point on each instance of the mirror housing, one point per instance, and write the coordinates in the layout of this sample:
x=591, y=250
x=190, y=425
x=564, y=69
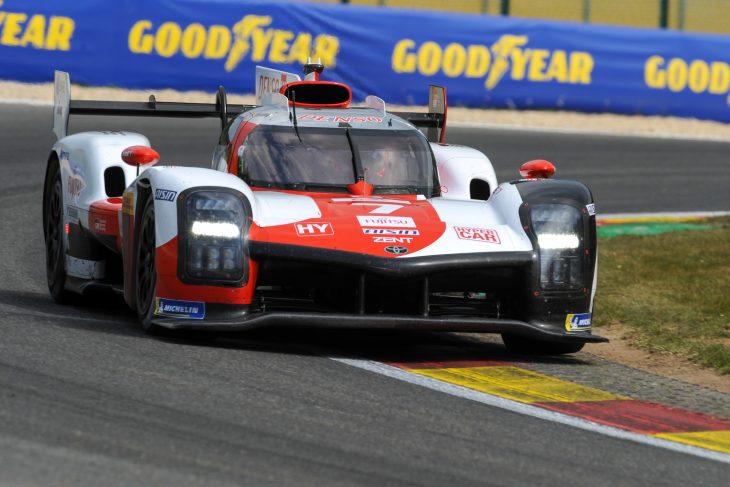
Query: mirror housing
x=537, y=169
x=140, y=155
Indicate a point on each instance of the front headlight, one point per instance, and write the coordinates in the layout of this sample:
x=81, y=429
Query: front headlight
x=559, y=231
x=213, y=231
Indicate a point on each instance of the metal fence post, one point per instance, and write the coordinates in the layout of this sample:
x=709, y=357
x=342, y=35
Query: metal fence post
x=663, y=13
x=505, y=7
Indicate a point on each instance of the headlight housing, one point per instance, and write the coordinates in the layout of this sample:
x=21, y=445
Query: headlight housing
x=561, y=242
x=213, y=227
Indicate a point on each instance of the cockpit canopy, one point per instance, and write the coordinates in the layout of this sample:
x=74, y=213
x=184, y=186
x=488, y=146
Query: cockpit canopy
x=328, y=159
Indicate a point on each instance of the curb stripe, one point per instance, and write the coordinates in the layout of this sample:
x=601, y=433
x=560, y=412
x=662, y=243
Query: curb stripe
x=609, y=218
x=447, y=364
x=641, y=416
x=714, y=440
x=518, y=384
x=529, y=410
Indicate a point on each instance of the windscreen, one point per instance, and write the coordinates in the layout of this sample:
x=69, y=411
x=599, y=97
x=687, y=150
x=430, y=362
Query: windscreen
x=328, y=159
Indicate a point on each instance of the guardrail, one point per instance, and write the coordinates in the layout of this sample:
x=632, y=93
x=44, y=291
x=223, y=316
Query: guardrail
x=484, y=61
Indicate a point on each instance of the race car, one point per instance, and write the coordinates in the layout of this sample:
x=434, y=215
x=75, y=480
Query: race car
x=315, y=213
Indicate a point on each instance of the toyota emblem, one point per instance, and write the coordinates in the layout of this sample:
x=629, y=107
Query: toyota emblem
x=394, y=249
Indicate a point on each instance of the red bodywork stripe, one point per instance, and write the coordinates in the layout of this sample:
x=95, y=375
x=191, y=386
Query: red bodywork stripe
x=169, y=286
x=104, y=216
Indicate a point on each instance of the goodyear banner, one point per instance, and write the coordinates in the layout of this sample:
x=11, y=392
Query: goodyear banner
x=484, y=61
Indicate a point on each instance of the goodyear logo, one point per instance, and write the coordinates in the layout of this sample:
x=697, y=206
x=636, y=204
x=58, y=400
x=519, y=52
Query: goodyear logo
x=578, y=322
x=251, y=38
x=697, y=76
x=509, y=56
x=51, y=33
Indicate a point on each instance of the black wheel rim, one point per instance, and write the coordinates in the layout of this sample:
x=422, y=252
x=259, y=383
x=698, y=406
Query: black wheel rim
x=54, y=233
x=146, y=274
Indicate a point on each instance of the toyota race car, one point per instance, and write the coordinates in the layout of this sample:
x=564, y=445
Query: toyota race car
x=315, y=213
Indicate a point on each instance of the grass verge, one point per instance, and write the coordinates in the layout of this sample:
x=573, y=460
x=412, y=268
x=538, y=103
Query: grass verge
x=672, y=289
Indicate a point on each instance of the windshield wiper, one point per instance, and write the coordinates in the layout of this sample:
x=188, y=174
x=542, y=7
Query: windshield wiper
x=293, y=119
x=356, y=162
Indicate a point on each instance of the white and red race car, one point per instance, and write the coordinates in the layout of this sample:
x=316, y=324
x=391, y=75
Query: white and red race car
x=315, y=213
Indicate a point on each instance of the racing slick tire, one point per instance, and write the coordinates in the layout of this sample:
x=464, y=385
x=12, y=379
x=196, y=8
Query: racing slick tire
x=530, y=346
x=53, y=232
x=145, y=270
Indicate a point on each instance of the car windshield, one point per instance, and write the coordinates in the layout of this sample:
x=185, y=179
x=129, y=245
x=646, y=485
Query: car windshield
x=393, y=161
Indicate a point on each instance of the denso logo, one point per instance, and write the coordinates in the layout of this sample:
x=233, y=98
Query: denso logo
x=507, y=56
x=386, y=221
x=250, y=38
x=478, y=234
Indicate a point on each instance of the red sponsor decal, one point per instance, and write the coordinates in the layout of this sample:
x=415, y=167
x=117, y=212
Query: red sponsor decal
x=99, y=224
x=478, y=234
x=338, y=118
x=313, y=229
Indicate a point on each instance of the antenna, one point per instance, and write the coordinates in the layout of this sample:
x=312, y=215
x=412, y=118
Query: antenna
x=293, y=119
x=315, y=69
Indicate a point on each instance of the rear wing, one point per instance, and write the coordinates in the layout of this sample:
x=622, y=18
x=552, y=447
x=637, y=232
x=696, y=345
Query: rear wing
x=64, y=107
x=435, y=120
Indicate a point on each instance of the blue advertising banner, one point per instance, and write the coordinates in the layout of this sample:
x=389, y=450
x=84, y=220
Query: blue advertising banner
x=484, y=61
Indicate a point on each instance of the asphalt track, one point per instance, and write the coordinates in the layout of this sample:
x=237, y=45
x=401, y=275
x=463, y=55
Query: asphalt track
x=87, y=399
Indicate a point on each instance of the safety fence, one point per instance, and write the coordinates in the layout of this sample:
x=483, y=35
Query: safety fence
x=709, y=16
x=484, y=61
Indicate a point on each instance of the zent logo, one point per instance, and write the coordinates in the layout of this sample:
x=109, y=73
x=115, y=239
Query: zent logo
x=394, y=249
x=165, y=195
x=478, y=234
x=578, y=322
x=314, y=229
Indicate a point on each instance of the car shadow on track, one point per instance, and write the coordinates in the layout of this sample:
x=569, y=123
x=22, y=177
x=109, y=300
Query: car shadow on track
x=103, y=312
x=402, y=348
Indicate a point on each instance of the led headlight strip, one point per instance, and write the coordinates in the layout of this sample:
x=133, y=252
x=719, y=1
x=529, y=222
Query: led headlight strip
x=559, y=231
x=212, y=250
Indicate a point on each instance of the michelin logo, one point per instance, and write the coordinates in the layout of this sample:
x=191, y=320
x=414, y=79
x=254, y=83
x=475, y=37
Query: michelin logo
x=578, y=322
x=193, y=310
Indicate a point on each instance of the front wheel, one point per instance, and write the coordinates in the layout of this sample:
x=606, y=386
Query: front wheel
x=530, y=346
x=145, y=274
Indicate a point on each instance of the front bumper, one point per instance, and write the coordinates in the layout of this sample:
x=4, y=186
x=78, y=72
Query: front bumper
x=239, y=320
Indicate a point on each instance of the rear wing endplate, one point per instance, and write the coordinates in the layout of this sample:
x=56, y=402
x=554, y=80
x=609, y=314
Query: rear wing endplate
x=64, y=106
x=435, y=120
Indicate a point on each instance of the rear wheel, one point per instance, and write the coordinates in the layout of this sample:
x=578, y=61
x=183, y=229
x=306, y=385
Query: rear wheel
x=146, y=269
x=54, y=236
x=530, y=346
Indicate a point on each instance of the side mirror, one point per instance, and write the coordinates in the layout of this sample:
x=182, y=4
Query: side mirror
x=139, y=155
x=537, y=169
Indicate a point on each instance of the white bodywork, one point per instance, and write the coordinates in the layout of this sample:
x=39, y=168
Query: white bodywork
x=458, y=166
